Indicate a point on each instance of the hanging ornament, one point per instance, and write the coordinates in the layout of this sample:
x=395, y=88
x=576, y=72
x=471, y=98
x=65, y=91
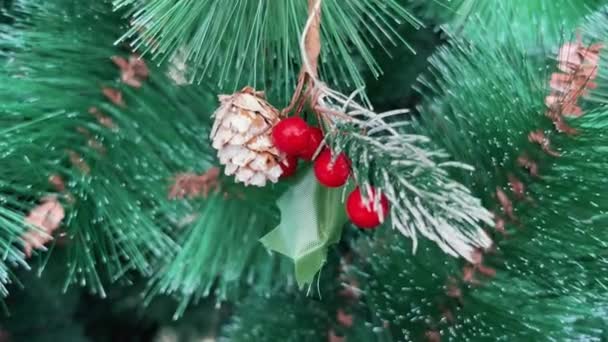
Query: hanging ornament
x=315, y=137
x=366, y=214
x=241, y=134
x=329, y=172
x=290, y=135
x=289, y=166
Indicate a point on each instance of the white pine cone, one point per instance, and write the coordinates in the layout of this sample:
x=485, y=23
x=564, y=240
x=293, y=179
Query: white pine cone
x=179, y=70
x=242, y=135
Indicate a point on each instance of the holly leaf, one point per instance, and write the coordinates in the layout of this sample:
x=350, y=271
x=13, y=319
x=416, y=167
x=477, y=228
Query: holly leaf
x=312, y=218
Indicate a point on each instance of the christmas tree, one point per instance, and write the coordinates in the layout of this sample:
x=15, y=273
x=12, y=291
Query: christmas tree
x=356, y=170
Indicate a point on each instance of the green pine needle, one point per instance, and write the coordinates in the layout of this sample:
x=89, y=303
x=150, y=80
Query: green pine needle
x=251, y=42
x=290, y=314
x=533, y=22
x=404, y=289
x=220, y=253
x=442, y=11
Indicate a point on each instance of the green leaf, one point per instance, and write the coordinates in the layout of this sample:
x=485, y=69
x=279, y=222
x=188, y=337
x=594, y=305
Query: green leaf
x=311, y=219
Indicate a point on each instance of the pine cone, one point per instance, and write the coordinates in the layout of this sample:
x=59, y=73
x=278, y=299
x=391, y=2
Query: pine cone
x=242, y=135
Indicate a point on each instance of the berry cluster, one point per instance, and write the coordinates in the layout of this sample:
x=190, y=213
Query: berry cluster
x=294, y=137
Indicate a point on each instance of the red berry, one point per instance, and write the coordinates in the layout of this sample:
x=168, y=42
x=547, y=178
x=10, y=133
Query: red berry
x=289, y=166
x=332, y=174
x=290, y=135
x=365, y=216
x=314, y=140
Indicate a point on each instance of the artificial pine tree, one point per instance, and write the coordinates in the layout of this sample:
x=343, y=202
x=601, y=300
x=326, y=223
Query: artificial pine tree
x=215, y=169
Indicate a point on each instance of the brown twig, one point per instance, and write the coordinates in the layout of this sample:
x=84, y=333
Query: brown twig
x=133, y=72
x=313, y=37
x=296, y=97
x=312, y=50
x=192, y=185
x=579, y=67
x=114, y=96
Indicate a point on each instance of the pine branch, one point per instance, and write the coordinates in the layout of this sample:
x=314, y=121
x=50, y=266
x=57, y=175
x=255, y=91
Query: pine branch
x=538, y=168
x=220, y=253
x=259, y=318
x=484, y=21
x=254, y=43
x=405, y=291
x=416, y=181
x=424, y=294
x=122, y=134
x=106, y=225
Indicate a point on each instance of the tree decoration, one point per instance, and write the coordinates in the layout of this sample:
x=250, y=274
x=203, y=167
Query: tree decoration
x=312, y=147
x=241, y=134
x=367, y=212
x=411, y=175
x=144, y=201
x=312, y=218
x=332, y=170
x=291, y=135
x=289, y=165
x=422, y=196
